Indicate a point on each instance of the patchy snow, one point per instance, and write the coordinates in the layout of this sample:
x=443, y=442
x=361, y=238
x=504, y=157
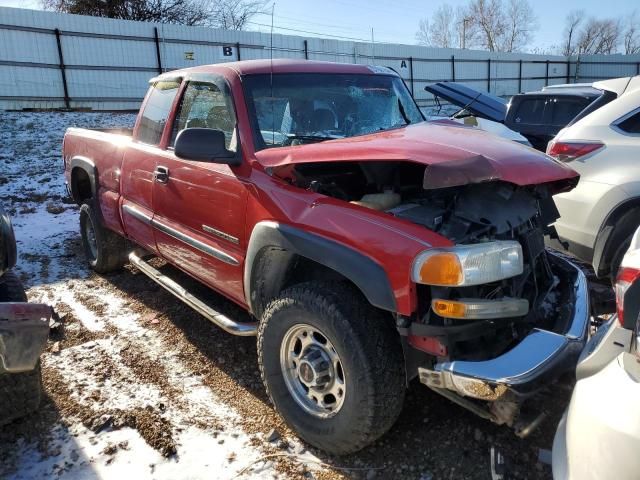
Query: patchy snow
x=208, y=435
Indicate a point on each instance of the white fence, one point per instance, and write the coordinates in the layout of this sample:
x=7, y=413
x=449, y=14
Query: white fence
x=52, y=60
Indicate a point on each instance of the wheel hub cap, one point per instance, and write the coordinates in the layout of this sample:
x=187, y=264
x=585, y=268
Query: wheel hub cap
x=312, y=371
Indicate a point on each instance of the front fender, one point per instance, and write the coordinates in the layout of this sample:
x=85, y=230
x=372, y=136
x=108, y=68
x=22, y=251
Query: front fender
x=361, y=270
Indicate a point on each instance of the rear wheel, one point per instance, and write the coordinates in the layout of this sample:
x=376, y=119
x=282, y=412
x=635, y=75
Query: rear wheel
x=332, y=365
x=20, y=393
x=105, y=250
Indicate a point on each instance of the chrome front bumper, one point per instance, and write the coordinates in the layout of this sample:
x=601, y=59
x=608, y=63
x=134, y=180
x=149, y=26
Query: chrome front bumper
x=539, y=358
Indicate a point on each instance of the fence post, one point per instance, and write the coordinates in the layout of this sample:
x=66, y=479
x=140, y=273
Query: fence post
x=306, y=50
x=411, y=73
x=520, y=77
x=546, y=75
x=453, y=67
x=238, y=51
x=568, y=70
x=638, y=68
x=488, y=75
x=156, y=40
x=62, y=70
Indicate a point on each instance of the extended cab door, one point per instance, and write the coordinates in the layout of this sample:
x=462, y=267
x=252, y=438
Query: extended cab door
x=199, y=206
x=140, y=159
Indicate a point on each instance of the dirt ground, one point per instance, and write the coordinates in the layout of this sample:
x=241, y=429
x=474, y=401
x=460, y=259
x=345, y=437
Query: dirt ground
x=136, y=383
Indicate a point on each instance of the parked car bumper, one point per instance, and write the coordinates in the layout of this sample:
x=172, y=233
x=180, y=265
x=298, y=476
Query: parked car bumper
x=538, y=359
x=24, y=329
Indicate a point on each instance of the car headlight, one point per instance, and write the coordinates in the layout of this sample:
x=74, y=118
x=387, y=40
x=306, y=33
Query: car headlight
x=465, y=265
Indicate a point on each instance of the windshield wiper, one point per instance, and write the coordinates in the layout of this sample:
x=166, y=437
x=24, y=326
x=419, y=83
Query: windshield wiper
x=403, y=113
x=312, y=138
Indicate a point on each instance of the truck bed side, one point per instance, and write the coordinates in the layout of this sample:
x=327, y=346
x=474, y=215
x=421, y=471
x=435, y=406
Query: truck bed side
x=93, y=162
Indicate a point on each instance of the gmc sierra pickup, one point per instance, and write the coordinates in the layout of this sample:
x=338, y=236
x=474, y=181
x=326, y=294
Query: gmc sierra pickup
x=370, y=246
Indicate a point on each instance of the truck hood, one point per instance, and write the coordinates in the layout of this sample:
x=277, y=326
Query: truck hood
x=454, y=155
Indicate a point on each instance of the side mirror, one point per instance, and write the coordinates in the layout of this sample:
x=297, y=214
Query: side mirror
x=205, y=145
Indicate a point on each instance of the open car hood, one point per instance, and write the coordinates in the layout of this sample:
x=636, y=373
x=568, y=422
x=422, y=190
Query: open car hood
x=455, y=155
x=483, y=105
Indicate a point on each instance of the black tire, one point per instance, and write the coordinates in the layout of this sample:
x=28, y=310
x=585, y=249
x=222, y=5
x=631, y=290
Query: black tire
x=370, y=353
x=620, y=239
x=11, y=289
x=20, y=393
x=106, y=250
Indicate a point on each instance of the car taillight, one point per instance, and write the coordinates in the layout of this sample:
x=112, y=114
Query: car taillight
x=568, y=151
x=626, y=277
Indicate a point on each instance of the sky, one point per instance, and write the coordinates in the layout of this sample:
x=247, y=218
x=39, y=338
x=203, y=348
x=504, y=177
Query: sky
x=397, y=22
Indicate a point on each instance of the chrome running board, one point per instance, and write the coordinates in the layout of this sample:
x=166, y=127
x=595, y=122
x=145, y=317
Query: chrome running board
x=224, y=322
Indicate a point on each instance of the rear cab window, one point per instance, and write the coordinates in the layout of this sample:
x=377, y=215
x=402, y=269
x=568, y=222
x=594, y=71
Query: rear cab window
x=156, y=111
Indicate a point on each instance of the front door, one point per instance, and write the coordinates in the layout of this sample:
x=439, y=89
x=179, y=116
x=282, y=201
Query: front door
x=199, y=207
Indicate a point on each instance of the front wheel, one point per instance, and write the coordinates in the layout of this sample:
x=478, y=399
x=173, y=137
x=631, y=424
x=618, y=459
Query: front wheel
x=332, y=365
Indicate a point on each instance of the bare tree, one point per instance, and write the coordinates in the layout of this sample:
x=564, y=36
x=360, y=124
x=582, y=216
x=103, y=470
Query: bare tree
x=441, y=31
x=573, y=21
x=490, y=19
x=448, y=29
x=234, y=14
x=228, y=14
x=631, y=34
x=520, y=23
x=599, y=36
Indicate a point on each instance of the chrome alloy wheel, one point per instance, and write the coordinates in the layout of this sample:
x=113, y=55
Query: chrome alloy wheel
x=92, y=241
x=312, y=371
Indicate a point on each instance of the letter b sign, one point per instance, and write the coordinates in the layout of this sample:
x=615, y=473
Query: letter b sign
x=227, y=51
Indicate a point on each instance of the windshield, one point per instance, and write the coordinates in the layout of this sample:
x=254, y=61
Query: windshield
x=313, y=107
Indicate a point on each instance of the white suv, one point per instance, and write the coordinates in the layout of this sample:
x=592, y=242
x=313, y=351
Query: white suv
x=599, y=216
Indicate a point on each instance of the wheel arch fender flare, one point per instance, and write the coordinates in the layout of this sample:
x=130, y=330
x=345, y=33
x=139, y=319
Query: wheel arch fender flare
x=600, y=263
x=362, y=271
x=87, y=165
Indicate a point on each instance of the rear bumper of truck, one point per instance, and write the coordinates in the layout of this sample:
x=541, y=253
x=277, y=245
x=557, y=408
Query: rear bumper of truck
x=24, y=329
x=537, y=360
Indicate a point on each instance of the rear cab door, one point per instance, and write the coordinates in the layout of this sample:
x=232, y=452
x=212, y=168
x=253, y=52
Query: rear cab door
x=199, y=206
x=141, y=158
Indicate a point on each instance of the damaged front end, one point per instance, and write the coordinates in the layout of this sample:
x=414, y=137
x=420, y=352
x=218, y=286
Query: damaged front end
x=499, y=316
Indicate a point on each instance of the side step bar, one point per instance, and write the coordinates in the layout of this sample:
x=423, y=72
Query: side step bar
x=224, y=322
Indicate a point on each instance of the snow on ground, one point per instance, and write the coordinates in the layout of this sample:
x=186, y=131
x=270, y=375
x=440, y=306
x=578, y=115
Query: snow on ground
x=137, y=385
x=204, y=436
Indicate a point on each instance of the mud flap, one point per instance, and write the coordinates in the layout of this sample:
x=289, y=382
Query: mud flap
x=24, y=329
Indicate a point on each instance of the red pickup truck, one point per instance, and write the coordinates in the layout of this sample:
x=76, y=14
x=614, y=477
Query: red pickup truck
x=370, y=246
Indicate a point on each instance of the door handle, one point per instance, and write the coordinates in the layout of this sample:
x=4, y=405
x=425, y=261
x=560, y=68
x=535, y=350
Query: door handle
x=161, y=174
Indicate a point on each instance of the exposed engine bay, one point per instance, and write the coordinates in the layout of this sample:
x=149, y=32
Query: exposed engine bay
x=466, y=214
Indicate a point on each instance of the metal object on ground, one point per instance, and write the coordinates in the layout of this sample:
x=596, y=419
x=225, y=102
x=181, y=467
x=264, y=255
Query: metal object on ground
x=224, y=322
x=24, y=329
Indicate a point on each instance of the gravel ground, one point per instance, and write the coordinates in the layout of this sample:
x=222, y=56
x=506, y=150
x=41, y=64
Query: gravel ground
x=138, y=384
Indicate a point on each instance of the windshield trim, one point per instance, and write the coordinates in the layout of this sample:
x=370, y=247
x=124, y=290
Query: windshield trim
x=258, y=141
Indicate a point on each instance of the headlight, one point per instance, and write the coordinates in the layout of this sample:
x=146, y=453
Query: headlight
x=465, y=265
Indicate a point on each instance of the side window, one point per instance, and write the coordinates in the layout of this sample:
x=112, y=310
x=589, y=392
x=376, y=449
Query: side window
x=156, y=111
x=531, y=112
x=631, y=124
x=565, y=110
x=204, y=105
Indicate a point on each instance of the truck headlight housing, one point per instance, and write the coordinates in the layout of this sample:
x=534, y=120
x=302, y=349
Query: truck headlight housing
x=465, y=265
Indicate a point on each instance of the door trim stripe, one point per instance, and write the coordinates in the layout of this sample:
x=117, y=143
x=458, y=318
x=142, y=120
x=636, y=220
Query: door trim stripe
x=195, y=243
x=137, y=214
x=220, y=233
